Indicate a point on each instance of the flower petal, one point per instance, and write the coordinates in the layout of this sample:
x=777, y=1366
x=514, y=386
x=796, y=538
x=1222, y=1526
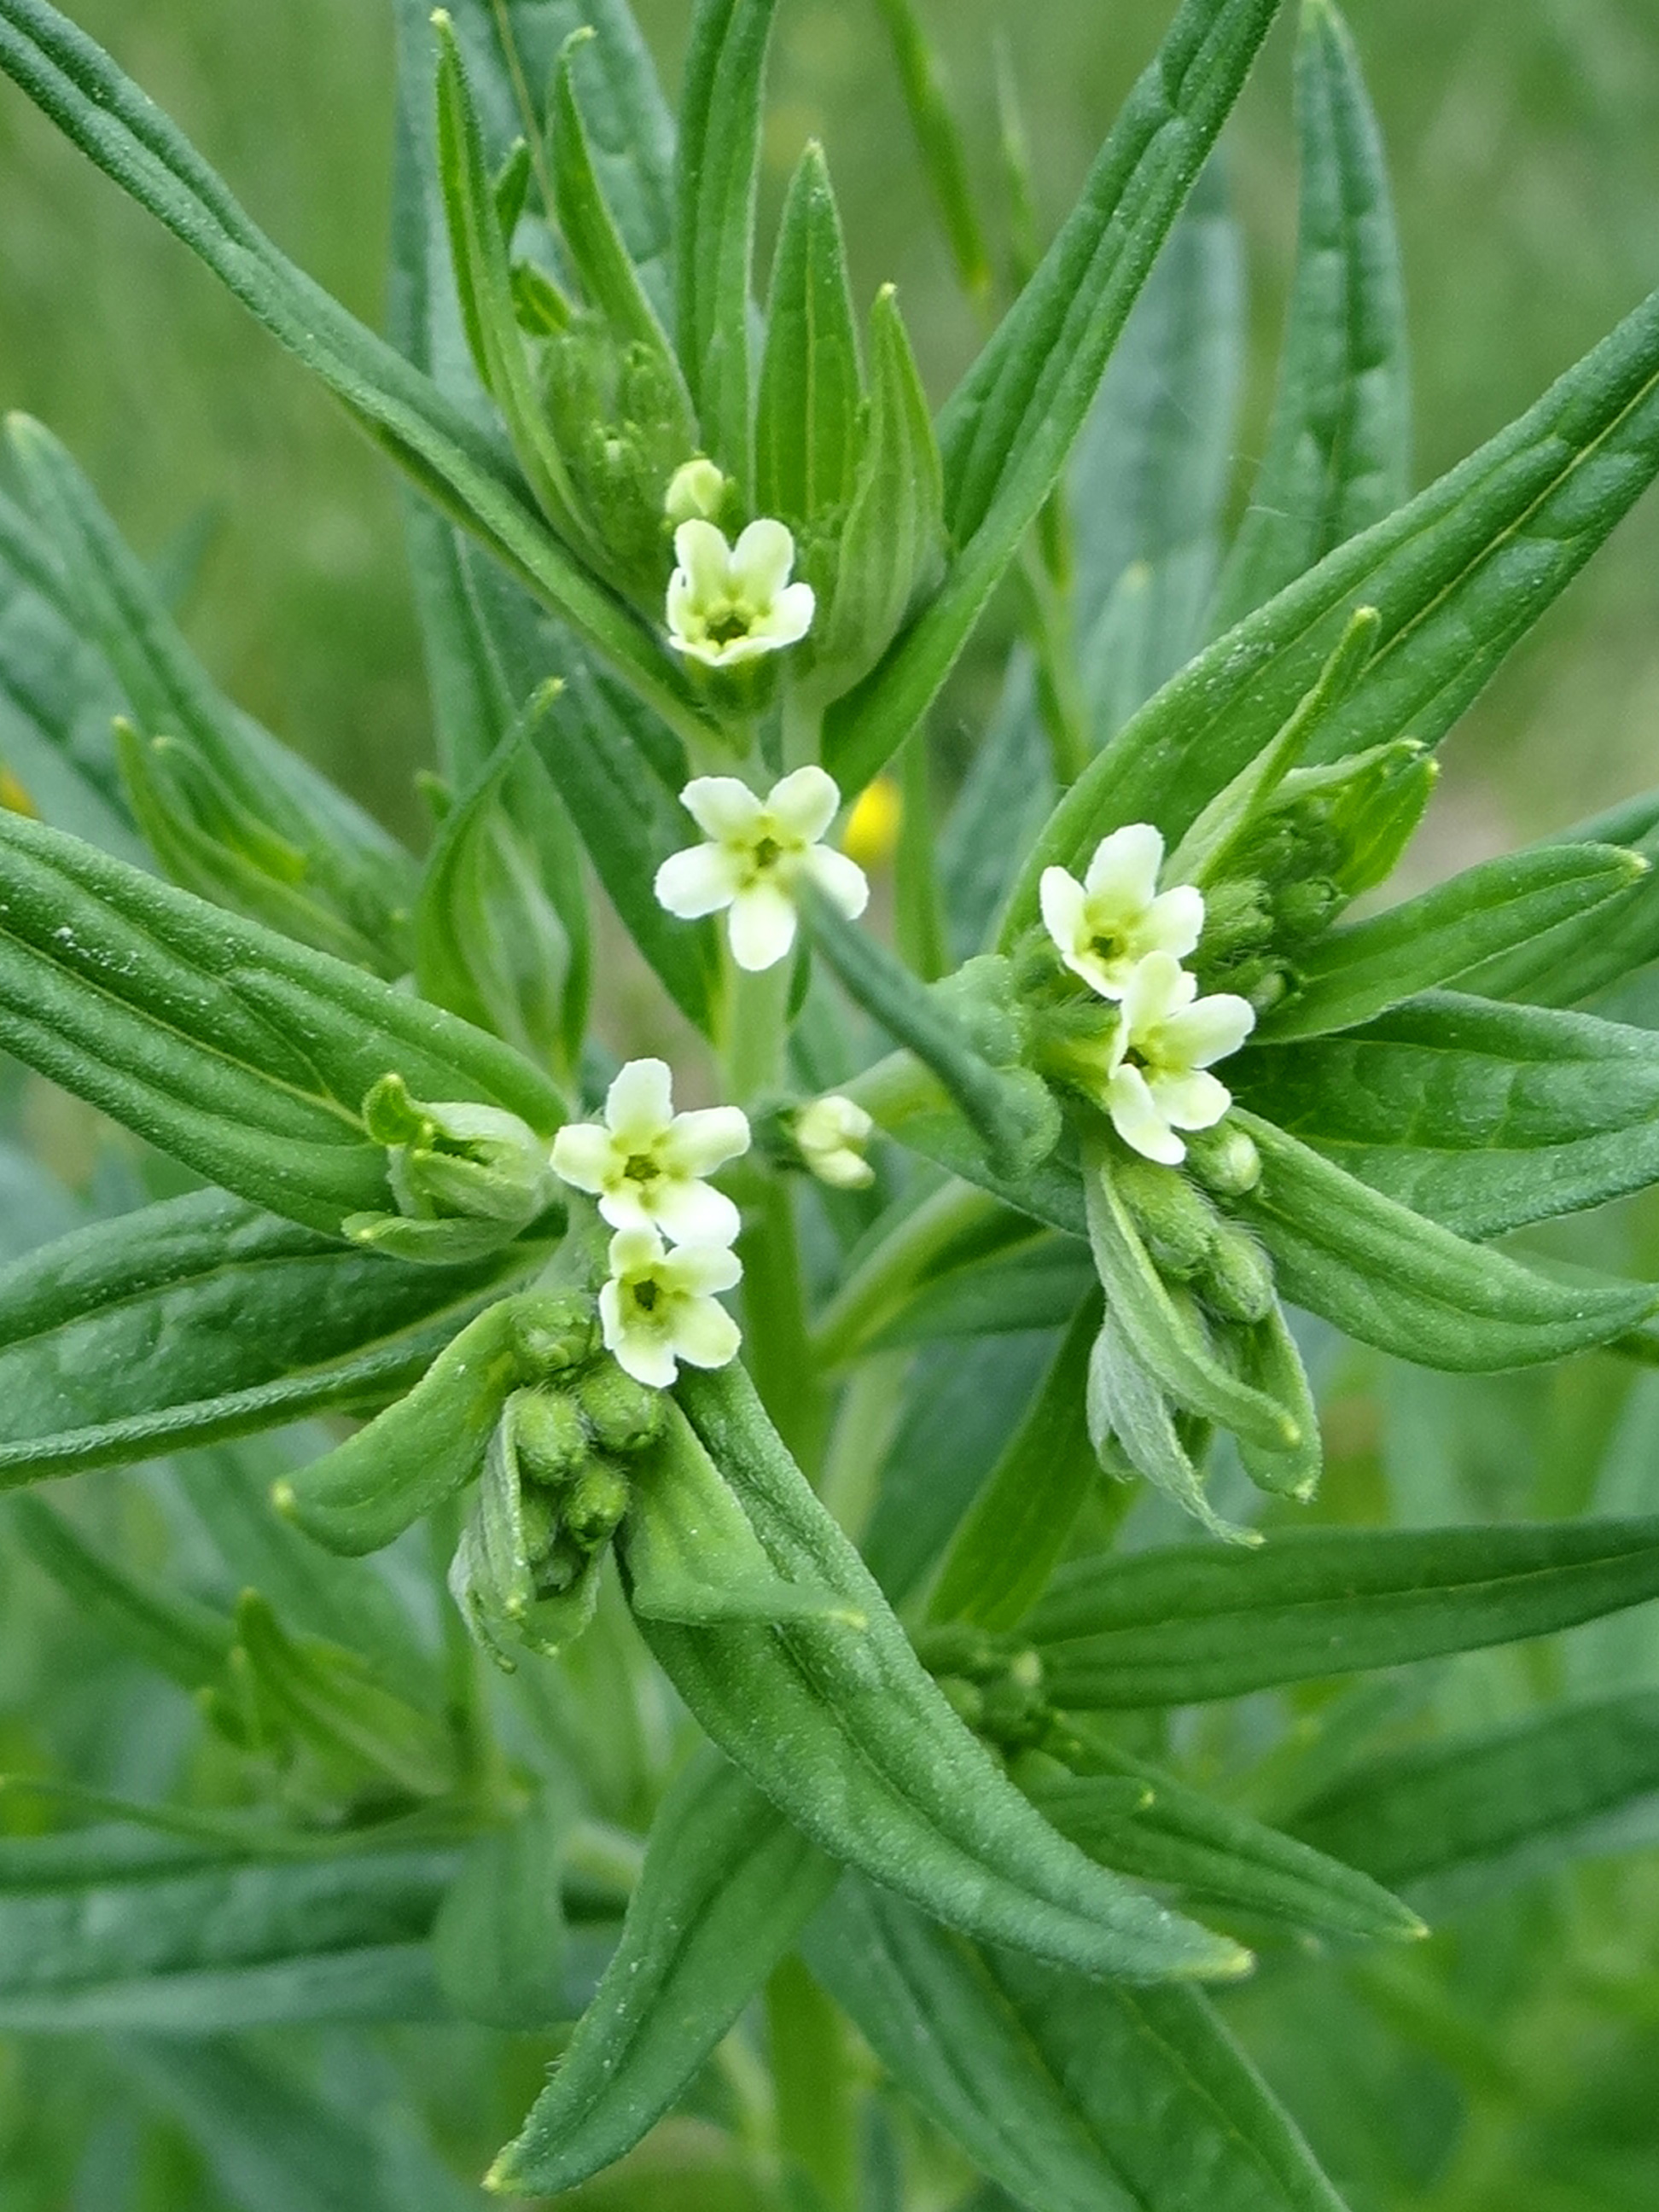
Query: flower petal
x=693, y=1212
x=634, y=1252
x=761, y=927
x=1157, y=988
x=625, y=1207
x=1125, y=866
x=1137, y=1120
x=695, y=1270
x=705, y=1334
x=584, y=1156
x=723, y=807
x=648, y=1358
x=842, y=882
x=761, y=561
x=705, y=558
x=1208, y=1031
x=1062, y=900
x=789, y=618
x=701, y=880
x=1192, y=1100
x=803, y=802
x=1175, y=921
x=699, y=1142
x=639, y=1107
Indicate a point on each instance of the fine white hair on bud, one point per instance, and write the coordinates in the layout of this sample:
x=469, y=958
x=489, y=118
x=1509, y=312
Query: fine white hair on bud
x=830, y=1134
x=758, y=853
x=730, y=604
x=1167, y=1039
x=1103, y=927
x=646, y=1164
x=659, y=1308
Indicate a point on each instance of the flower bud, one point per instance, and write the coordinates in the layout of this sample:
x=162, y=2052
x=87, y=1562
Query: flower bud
x=458, y=1159
x=696, y=492
x=594, y=1507
x=1238, y=1280
x=1177, y=1224
x=622, y=1416
x=1224, y=1159
x=553, y=1330
x=548, y=1436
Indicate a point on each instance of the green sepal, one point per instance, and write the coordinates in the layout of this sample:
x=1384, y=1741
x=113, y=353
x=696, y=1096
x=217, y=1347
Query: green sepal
x=806, y=426
x=499, y=1941
x=1136, y=1428
x=515, y=1584
x=1265, y=1356
x=1357, y=971
x=1187, y=1623
x=691, y=1554
x=1408, y=1286
x=727, y=1887
x=433, y=1441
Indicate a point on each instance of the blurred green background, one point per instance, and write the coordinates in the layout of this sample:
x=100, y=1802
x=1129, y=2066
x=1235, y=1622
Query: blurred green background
x=1525, y=140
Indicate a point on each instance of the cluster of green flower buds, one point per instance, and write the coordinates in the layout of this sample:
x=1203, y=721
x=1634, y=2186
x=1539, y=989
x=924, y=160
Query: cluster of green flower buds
x=996, y=1690
x=467, y=1178
x=555, y=1487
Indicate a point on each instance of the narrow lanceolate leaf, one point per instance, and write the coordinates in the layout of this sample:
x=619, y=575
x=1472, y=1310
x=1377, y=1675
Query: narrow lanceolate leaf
x=168, y=1630
x=240, y=1052
x=1339, y=445
x=1010, y=1111
x=1039, y=1283
x=1460, y=1818
x=1352, y=973
x=806, y=416
x=1073, y=2095
x=1457, y=577
x=1007, y=430
x=841, y=1729
x=715, y=183
x=1006, y=1549
x=1394, y=1279
x=204, y=1317
x=726, y=1887
x=1482, y=1116
x=939, y=141
x=1146, y=1823
x=100, y=1930
x=462, y=470
x=1188, y=1623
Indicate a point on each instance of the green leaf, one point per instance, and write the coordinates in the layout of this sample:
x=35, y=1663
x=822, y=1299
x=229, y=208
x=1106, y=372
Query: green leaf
x=1037, y=1284
x=1073, y=2095
x=1484, y=1117
x=498, y=1943
x=102, y=1931
x=726, y=1887
x=1005, y=1551
x=715, y=186
x=459, y=467
x=1188, y=1624
x=1009, y=1109
x=1404, y=1284
x=1361, y=969
x=845, y=1733
x=241, y=1053
x=1004, y=799
x=1457, y=576
x=807, y=410
x=1338, y=446
x=1457, y=1818
x=203, y=1317
x=168, y=1630
x=939, y=141
x=1146, y=1824
x=1008, y=428
x=501, y=925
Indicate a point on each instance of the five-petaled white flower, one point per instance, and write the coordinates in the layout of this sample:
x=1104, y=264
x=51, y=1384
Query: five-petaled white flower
x=1108, y=923
x=830, y=1134
x=1167, y=1037
x=647, y=1164
x=728, y=604
x=758, y=850
x=659, y=1306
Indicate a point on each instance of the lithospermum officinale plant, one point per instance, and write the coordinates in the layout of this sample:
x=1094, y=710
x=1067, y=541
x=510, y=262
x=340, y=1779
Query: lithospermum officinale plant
x=1130, y=1075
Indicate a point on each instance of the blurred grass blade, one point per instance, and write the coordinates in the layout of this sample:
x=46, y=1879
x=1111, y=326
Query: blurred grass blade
x=1403, y=1283
x=463, y=470
x=1339, y=445
x=1073, y=2095
x=715, y=187
x=1484, y=1117
x=1188, y=1624
x=184, y=1640
x=1007, y=432
x=1457, y=576
x=940, y=143
x=726, y=1887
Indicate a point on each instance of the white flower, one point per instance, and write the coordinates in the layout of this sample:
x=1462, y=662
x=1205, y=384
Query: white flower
x=1116, y=916
x=729, y=604
x=659, y=1306
x=758, y=851
x=830, y=1134
x=1167, y=1037
x=695, y=491
x=647, y=1164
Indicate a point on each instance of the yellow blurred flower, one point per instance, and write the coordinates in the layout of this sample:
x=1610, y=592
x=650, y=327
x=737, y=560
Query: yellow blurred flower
x=872, y=827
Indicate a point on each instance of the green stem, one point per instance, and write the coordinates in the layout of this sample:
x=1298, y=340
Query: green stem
x=803, y=729
x=817, y=2113
x=757, y=1020
x=1059, y=693
x=875, y=1291
x=778, y=1349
